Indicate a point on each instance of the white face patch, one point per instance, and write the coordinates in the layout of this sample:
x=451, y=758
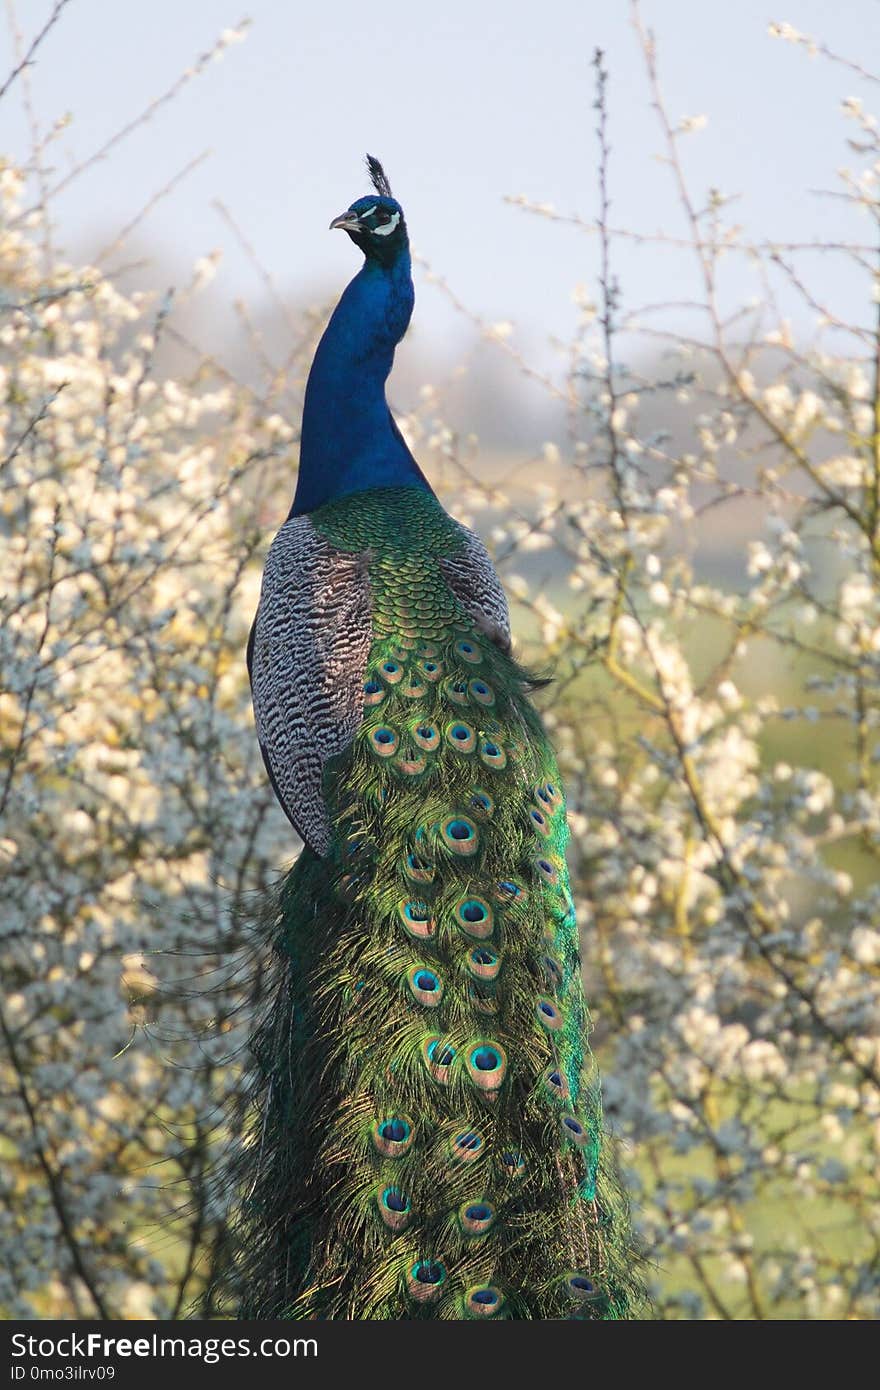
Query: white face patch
x=389, y=226
x=368, y=211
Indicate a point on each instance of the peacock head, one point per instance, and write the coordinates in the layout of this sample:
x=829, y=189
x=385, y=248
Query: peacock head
x=376, y=224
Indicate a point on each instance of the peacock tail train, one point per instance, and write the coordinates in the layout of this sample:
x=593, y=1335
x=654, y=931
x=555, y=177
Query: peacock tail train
x=427, y=1132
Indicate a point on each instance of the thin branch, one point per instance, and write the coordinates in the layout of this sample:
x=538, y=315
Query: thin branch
x=198, y=67
x=122, y=237
x=52, y=1178
x=29, y=56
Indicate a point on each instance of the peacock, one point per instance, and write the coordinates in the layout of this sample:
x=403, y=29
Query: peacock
x=426, y=1137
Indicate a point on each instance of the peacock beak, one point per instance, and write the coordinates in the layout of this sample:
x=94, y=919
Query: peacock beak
x=347, y=222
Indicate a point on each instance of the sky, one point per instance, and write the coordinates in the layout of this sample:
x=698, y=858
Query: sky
x=465, y=103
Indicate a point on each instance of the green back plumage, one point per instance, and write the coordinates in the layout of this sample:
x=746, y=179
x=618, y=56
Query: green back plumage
x=427, y=1141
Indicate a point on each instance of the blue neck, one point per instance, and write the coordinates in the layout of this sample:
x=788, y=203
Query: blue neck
x=349, y=441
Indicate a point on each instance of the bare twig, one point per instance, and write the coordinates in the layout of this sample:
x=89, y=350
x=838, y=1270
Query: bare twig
x=196, y=70
x=29, y=56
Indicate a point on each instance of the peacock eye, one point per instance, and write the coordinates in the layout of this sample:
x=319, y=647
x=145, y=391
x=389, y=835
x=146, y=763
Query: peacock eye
x=383, y=217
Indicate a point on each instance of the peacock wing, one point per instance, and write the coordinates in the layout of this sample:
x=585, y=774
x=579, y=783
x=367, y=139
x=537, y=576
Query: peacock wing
x=307, y=654
x=471, y=576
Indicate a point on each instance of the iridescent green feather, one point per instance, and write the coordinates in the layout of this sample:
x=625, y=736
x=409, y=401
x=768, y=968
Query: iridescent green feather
x=429, y=1137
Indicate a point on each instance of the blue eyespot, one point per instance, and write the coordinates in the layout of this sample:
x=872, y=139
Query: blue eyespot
x=425, y=1280
x=469, y=1140
x=483, y=1301
x=547, y=870
x=475, y=917
x=468, y=651
x=460, y=835
x=580, y=1287
x=391, y=672
x=384, y=741
x=486, y=1059
x=556, y=1083
x=418, y=869
x=476, y=1217
x=394, y=1208
x=575, y=1131
x=548, y=1015
x=539, y=822
x=393, y=1135
x=461, y=737
x=492, y=754
x=425, y=987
